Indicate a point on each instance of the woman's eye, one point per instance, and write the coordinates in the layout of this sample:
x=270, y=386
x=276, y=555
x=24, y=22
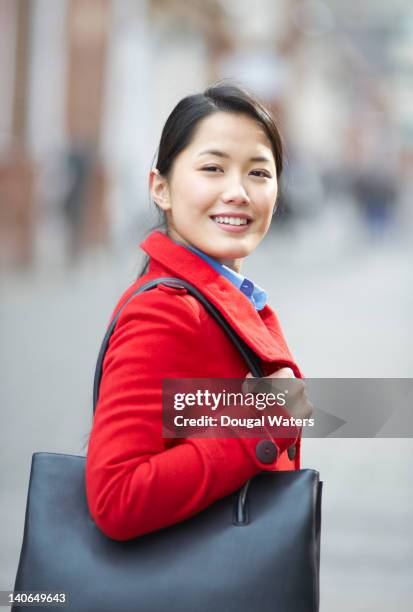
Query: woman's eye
x=261, y=173
x=211, y=168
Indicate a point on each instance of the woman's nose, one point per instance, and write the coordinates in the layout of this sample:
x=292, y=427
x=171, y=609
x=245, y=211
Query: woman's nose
x=236, y=194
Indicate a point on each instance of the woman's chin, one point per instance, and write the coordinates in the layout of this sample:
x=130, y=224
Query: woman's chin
x=238, y=250
x=230, y=254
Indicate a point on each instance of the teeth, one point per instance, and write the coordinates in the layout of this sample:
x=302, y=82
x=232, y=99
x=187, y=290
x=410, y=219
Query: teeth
x=231, y=220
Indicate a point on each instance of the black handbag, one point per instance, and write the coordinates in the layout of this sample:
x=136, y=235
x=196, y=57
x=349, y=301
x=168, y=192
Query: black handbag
x=257, y=549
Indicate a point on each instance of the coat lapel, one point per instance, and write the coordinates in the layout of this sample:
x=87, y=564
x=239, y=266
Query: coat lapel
x=259, y=329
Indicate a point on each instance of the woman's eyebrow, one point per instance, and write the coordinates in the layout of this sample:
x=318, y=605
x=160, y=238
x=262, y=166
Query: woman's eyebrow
x=217, y=153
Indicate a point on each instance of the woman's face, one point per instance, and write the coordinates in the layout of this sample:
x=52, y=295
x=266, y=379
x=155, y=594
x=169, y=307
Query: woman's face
x=222, y=188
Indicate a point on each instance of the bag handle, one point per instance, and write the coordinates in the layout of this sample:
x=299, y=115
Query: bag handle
x=247, y=353
x=240, y=515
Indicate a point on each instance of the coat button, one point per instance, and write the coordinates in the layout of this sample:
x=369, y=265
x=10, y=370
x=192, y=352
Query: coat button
x=266, y=451
x=291, y=452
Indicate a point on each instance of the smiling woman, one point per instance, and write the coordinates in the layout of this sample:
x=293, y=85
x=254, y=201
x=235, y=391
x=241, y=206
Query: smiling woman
x=215, y=182
x=219, y=192
x=227, y=173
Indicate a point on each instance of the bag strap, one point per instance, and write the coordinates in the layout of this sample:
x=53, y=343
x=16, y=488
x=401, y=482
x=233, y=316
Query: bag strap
x=247, y=353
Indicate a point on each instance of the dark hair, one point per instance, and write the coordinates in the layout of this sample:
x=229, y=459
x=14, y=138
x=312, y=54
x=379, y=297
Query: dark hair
x=184, y=118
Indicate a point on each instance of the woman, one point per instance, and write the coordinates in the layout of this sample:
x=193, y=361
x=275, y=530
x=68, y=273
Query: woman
x=215, y=182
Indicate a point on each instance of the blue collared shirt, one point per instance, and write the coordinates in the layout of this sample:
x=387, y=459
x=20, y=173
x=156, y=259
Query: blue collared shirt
x=253, y=292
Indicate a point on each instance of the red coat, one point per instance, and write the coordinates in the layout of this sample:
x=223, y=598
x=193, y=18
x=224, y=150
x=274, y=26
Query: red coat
x=137, y=481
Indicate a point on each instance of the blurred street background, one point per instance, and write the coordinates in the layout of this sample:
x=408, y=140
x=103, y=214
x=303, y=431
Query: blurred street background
x=86, y=86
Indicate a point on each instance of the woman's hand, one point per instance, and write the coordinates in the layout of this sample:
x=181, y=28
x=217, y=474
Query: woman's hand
x=297, y=403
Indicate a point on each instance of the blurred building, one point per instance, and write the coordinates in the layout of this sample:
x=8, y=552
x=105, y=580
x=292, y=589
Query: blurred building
x=88, y=84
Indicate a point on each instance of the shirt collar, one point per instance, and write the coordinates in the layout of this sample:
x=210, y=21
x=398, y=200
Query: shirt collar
x=253, y=292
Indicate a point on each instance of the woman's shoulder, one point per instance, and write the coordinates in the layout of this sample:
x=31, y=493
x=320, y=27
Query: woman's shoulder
x=162, y=302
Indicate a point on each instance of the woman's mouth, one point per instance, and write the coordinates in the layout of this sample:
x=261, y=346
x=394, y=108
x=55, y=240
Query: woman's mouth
x=231, y=224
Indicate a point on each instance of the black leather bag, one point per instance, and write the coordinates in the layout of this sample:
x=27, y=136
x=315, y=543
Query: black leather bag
x=255, y=550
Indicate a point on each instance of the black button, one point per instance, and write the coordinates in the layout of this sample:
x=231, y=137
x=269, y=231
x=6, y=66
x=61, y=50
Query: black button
x=291, y=452
x=266, y=451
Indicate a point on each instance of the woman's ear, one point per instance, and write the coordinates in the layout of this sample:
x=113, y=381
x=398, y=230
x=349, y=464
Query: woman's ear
x=159, y=189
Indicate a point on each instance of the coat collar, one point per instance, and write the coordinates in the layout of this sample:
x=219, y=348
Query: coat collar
x=258, y=296
x=259, y=329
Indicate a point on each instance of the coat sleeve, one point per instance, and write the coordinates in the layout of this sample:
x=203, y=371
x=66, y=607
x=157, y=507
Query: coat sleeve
x=135, y=484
